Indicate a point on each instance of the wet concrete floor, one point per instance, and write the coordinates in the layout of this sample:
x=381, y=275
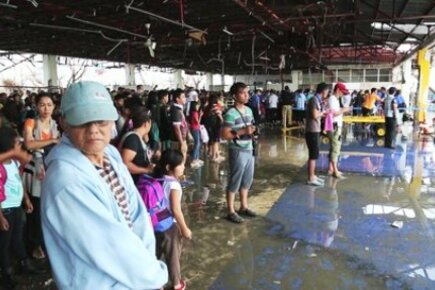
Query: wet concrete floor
x=339, y=236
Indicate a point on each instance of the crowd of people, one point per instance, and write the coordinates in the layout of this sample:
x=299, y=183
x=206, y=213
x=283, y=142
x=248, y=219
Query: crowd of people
x=92, y=166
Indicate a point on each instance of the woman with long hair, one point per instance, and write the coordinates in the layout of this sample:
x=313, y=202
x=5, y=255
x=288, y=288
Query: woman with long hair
x=40, y=135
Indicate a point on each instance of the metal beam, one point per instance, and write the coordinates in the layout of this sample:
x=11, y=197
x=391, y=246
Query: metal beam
x=378, y=11
x=400, y=12
x=375, y=15
x=244, y=6
x=389, y=19
x=182, y=24
x=338, y=15
x=431, y=7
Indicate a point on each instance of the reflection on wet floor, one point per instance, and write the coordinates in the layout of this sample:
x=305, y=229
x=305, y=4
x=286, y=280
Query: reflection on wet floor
x=339, y=236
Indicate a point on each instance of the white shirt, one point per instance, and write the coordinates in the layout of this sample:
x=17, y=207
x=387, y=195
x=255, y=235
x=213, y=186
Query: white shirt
x=346, y=100
x=334, y=106
x=192, y=96
x=273, y=101
x=300, y=102
x=169, y=184
x=389, y=109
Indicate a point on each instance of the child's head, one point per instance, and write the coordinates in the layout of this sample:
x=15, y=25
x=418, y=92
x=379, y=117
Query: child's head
x=8, y=140
x=171, y=163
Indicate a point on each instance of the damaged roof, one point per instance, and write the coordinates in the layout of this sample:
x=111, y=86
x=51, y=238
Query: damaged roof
x=230, y=36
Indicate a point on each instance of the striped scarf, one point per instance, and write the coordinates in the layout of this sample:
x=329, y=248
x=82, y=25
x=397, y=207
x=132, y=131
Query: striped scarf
x=111, y=178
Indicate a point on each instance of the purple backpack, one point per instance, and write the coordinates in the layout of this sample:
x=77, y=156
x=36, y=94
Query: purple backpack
x=151, y=191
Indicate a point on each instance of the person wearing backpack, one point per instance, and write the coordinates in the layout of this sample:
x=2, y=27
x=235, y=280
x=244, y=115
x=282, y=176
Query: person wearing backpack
x=135, y=152
x=170, y=241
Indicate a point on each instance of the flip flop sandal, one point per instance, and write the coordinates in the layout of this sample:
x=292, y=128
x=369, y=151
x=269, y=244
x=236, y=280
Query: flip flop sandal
x=235, y=218
x=247, y=212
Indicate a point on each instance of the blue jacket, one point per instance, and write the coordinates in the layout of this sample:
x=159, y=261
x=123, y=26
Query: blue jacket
x=89, y=243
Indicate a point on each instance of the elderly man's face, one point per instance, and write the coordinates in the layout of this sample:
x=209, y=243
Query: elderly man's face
x=91, y=138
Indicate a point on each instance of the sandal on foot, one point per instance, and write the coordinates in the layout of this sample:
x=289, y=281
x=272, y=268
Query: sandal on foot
x=315, y=182
x=235, y=218
x=247, y=212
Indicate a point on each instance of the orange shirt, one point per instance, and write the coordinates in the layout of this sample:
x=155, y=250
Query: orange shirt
x=45, y=134
x=370, y=100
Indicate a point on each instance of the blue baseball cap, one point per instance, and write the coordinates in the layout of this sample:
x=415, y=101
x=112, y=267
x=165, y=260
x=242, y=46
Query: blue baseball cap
x=86, y=102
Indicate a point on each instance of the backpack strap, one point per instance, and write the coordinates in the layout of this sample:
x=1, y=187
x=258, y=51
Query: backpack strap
x=142, y=143
x=3, y=173
x=121, y=142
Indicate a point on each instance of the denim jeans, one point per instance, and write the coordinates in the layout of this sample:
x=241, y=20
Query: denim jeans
x=12, y=239
x=196, y=143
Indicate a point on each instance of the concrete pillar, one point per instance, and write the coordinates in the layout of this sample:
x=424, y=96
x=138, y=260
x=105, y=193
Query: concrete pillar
x=179, y=80
x=209, y=81
x=296, y=80
x=49, y=65
x=423, y=59
x=130, y=79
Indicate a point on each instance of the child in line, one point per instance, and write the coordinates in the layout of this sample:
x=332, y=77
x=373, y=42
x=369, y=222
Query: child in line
x=169, y=243
x=11, y=213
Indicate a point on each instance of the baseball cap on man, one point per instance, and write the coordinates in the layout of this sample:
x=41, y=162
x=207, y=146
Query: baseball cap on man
x=342, y=88
x=86, y=102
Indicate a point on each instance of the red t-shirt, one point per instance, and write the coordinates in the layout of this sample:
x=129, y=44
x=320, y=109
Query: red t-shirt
x=194, y=120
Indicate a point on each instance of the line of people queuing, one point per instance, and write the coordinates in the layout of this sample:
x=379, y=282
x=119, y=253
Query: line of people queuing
x=266, y=105
x=324, y=114
x=89, y=204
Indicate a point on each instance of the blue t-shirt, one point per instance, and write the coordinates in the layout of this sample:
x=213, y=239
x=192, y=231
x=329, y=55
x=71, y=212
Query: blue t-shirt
x=13, y=186
x=254, y=101
x=300, y=102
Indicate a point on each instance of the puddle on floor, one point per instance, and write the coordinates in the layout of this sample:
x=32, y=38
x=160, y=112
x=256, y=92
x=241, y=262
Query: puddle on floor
x=335, y=237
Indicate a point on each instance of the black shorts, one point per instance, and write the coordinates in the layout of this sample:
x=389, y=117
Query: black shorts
x=214, y=133
x=313, y=144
